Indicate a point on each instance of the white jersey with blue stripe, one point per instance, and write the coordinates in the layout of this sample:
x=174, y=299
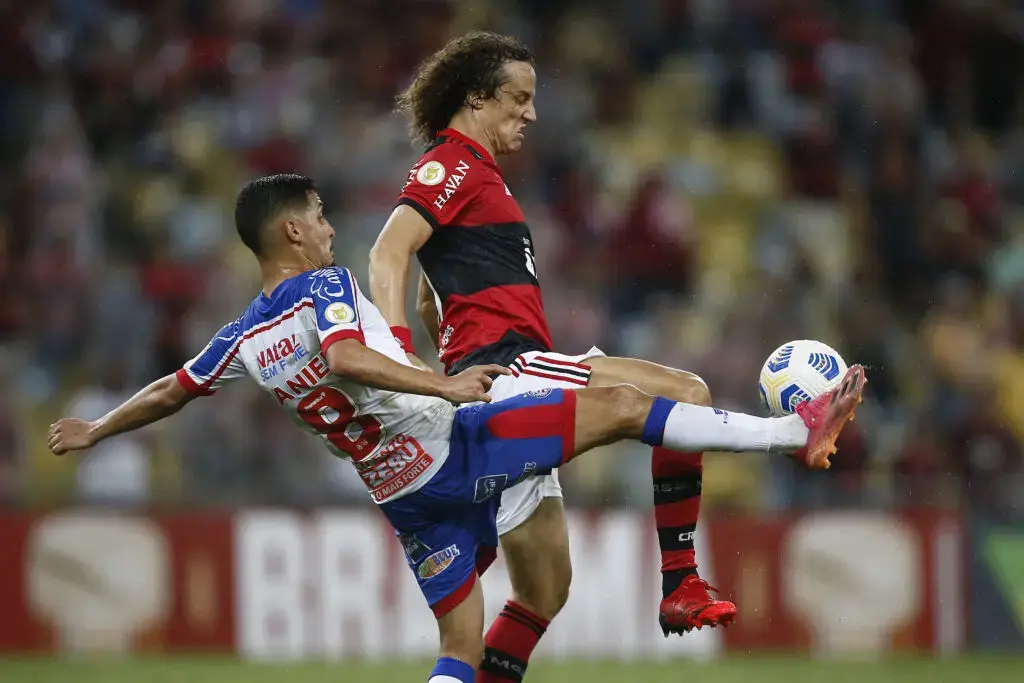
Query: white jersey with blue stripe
x=396, y=441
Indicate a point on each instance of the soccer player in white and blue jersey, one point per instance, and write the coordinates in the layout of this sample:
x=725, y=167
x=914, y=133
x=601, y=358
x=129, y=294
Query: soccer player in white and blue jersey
x=325, y=354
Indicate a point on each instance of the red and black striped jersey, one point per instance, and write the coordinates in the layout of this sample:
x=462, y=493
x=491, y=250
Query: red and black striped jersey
x=479, y=260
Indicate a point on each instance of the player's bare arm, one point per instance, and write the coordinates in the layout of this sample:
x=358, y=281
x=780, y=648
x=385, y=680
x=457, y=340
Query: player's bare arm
x=403, y=235
x=426, y=308
x=354, y=361
x=160, y=399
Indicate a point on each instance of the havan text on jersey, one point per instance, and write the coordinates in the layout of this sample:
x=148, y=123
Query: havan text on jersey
x=452, y=184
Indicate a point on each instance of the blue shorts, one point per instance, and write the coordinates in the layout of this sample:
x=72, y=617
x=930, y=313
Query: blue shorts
x=448, y=527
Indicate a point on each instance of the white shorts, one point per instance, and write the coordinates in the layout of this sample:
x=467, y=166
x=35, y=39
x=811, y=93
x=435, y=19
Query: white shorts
x=531, y=371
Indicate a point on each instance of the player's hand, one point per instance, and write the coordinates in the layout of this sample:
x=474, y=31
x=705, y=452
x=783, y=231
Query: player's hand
x=472, y=384
x=70, y=434
x=414, y=359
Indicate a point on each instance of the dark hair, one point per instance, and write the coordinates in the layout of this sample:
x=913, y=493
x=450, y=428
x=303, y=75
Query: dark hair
x=472, y=63
x=263, y=198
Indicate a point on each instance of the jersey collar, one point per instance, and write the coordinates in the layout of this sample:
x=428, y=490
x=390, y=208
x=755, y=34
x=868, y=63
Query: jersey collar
x=469, y=142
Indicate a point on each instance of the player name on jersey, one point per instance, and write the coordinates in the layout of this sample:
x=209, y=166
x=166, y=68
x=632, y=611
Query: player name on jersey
x=305, y=379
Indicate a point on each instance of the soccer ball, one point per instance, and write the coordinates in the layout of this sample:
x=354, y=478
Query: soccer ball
x=798, y=371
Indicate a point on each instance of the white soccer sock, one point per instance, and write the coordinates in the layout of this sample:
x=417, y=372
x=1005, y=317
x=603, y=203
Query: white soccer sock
x=690, y=428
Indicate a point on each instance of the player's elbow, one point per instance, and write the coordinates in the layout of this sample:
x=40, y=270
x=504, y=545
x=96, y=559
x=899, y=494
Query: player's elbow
x=170, y=396
x=377, y=254
x=426, y=309
x=339, y=365
x=343, y=358
x=387, y=255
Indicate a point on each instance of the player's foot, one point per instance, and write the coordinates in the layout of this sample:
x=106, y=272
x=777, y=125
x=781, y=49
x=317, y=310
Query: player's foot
x=691, y=606
x=825, y=417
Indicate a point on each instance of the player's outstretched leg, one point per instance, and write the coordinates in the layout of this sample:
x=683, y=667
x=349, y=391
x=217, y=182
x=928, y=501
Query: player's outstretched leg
x=619, y=412
x=610, y=414
x=678, y=483
x=462, y=644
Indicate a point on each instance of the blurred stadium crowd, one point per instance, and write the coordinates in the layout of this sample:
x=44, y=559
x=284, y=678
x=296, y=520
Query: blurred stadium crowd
x=708, y=179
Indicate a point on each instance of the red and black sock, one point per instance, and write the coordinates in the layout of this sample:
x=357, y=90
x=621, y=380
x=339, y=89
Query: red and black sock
x=677, y=487
x=509, y=644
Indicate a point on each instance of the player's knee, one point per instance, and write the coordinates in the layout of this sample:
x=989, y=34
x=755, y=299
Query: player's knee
x=696, y=390
x=627, y=407
x=547, y=600
x=560, y=594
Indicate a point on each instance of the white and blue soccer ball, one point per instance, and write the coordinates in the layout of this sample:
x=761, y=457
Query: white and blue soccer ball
x=798, y=371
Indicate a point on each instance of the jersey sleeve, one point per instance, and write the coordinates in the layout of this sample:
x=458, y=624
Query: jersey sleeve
x=336, y=304
x=441, y=185
x=216, y=365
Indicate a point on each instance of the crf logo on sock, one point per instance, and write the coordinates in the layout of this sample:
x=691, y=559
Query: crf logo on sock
x=680, y=537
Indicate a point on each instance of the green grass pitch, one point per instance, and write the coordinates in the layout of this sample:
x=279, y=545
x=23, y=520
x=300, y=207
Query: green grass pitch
x=731, y=670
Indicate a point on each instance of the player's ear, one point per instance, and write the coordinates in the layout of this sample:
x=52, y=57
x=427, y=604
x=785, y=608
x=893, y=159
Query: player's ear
x=291, y=230
x=475, y=100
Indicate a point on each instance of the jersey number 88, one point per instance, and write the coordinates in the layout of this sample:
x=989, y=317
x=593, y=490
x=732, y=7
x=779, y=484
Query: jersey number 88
x=331, y=412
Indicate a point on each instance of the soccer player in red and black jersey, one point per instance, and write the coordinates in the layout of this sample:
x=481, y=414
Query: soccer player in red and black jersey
x=480, y=300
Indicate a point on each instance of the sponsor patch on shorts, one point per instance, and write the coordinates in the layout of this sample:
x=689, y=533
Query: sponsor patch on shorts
x=438, y=562
x=538, y=393
x=487, y=486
